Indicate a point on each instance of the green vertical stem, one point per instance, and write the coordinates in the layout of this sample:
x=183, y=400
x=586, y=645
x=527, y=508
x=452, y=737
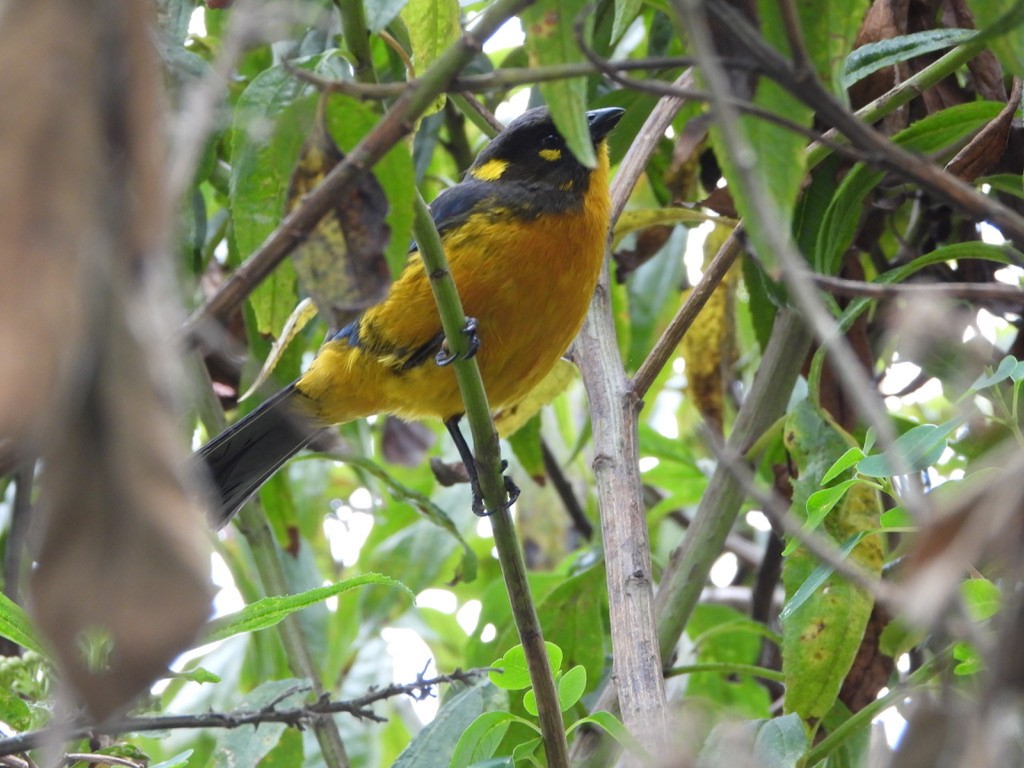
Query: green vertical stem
x=488, y=462
x=357, y=38
x=253, y=525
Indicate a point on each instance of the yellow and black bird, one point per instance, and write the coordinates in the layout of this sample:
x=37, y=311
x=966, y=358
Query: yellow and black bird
x=524, y=234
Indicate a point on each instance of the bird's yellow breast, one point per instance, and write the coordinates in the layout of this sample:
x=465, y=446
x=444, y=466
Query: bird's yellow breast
x=528, y=283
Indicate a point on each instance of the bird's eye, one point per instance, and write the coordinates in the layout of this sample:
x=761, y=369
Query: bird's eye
x=551, y=141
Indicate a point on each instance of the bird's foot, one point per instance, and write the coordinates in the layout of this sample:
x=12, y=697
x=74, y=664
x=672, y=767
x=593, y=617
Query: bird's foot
x=446, y=357
x=510, y=488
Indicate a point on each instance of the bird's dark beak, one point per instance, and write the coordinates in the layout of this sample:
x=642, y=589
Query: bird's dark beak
x=602, y=121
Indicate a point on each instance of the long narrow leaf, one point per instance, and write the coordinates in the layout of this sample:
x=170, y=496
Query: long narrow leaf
x=270, y=610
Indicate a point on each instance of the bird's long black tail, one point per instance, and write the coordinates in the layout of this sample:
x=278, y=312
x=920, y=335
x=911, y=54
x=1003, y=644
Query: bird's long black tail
x=244, y=456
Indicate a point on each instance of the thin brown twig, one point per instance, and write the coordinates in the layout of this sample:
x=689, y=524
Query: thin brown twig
x=967, y=291
x=613, y=71
x=666, y=345
x=396, y=46
x=501, y=78
x=296, y=717
x=485, y=114
x=98, y=758
x=566, y=493
x=795, y=37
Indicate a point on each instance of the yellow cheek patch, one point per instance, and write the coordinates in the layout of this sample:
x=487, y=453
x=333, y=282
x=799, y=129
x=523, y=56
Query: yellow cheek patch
x=492, y=170
x=551, y=154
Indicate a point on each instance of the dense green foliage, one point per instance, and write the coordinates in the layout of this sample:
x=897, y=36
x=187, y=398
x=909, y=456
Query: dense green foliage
x=387, y=571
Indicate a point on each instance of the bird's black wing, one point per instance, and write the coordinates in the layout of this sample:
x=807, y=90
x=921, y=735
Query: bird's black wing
x=452, y=207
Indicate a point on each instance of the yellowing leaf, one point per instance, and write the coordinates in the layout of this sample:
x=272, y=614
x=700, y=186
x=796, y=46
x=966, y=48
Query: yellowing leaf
x=297, y=320
x=433, y=26
x=509, y=419
x=708, y=346
x=822, y=629
x=636, y=220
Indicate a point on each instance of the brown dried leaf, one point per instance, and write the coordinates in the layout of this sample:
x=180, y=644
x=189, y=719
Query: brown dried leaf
x=984, y=67
x=885, y=19
x=720, y=201
x=341, y=263
x=987, y=147
x=709, y=347
x=406, y=443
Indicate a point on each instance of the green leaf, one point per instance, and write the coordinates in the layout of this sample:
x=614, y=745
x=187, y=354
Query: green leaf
x=969, y=658
x=1006, y=368
x=268, y=611
x=651, y=287
x=625, y=12
x=1002, y=27
x=177, y=761
x=829, y=31
x=571, y=616
x=884, y=53
x=819, y=504
x=723, y=635
x=898, y=638
x=919, y=447
x=780, y=742
x=287, y=753
x=380, y=13
x=433, y=746
x=780, y=159
x=897, y=517
x=14, y=711
x=526, y=445
x=571, y=687
x=248, y=746
x=817, y=578
x=814, y=445
x=349, y=120
x=549, y=41
x=824, y=621
x=843, y=463
x=267, y=134
x=16, y=626
x=1017, y=374
x=515, y=672
x=530, y=703
x=932, y=134
x=271, y=121
x=524, y=752
x=197, y=675
x=982, y=598
x=480, y=740
x=433, y=26
x=611, y=725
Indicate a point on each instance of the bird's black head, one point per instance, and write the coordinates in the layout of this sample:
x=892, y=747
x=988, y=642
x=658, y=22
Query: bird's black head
x=531, y=150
